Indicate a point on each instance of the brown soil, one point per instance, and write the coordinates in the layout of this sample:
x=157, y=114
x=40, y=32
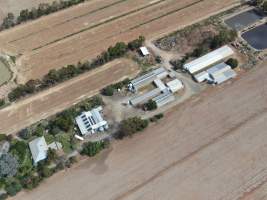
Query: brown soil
x=84, y=31
x=213, y=147
x=44, y=104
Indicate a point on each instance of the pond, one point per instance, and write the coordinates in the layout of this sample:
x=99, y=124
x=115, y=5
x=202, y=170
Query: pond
x=257, y=37
x=5, y=73
x=244, y=19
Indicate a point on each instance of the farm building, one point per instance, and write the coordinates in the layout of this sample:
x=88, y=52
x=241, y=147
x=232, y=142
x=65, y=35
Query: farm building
x=216, y=74
x=147, y=79
x=144, y=51
x=164, y=98
x=209, y=59
x=38, y=149
x=144, y=97
x=175, y=85
x=91, y=122
x=221, y=73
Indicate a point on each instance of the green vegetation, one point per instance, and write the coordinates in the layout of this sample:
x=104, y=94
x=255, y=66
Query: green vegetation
x=109, y=90
x=34, y=13
x=225, y=36
x=70, y=71
x=8, y=166
x=130, y=126
x=157, y=117
x=150, y=105
x=232, y=62
x=93, y=148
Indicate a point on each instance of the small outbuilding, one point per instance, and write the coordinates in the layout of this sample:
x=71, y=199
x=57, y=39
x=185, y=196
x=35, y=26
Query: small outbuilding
x=144, y=51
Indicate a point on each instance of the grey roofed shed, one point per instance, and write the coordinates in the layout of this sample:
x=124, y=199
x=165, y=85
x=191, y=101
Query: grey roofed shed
x=144, y=97
x=149, y=77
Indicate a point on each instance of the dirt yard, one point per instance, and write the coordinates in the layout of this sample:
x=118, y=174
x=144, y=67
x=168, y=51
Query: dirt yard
x=84, y=31
x=16, y=6
x=213, y=147
x=51, y=101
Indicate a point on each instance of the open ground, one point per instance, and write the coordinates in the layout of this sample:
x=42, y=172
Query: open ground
x=49, y=102
x=84, y=31
x=15, y=6
x=212, y=147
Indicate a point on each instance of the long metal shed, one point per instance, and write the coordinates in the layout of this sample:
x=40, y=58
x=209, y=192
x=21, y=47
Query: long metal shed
x=208, y=59
x=144, y=97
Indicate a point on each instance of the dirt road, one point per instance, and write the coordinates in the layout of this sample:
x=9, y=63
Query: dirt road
x=82, y=32
x=213, y=147
x=44, y=104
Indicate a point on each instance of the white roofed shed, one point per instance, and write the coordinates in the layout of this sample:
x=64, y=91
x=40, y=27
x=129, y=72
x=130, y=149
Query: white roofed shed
x=208, y=59
x=144, y=51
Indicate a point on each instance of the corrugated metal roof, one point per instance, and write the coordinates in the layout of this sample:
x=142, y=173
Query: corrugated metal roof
x=148, y=78
x=160, y=84
x=38, y=149
x=219, y=68
x=144, y=51
x=209, y=59
x=224, y=76
x=144, y=97
x=164, y=98
x=175, y=85
x=202, y=76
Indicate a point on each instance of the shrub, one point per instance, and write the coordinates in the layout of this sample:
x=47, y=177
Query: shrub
x=3, y=196
x=151, y=105
x=8, y=165
x=93, y=148
x=3, y=137
x=12, y=188
x=2, y=102
x=108, y=91
x=25, y=134
x=131, y=126
x=232, y=62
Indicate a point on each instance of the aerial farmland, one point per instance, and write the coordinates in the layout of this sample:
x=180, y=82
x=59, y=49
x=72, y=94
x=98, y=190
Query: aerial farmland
x=133, y=100
x=84, y=31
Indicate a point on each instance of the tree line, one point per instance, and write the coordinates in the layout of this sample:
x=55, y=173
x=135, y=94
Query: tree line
x=57, y=76
x=30, y=14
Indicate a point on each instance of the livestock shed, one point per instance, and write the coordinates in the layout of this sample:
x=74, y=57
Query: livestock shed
x=201, y=77
x=148, y=78
x=144, y=97
x=208, y=59
x=175, y=85
x=164, y=98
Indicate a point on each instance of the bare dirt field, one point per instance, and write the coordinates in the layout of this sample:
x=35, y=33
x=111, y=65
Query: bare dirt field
x=213, y=147
x=16, y=6
x=84, y=31
x=51, y=101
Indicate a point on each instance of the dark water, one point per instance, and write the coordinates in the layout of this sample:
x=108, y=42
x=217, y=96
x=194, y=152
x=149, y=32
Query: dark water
x=244, y=19
x=257, y=37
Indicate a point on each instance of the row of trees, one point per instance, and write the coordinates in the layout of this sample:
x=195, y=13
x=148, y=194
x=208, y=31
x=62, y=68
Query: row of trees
x=109, y=90
x=70, y=71
x=34, y=13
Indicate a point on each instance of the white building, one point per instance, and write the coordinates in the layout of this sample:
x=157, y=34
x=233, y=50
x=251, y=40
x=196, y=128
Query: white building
x=217, y=74
x=144, y=51
x=209, y=59
x=38, y=149
x=175, y=85
x=91, y=122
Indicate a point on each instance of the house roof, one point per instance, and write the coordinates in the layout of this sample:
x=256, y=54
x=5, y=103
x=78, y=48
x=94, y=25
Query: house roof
x=38, y=149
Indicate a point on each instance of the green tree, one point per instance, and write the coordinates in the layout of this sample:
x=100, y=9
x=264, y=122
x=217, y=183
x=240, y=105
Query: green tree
x=232, y=62
x=151, y=105
x=131, y=126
